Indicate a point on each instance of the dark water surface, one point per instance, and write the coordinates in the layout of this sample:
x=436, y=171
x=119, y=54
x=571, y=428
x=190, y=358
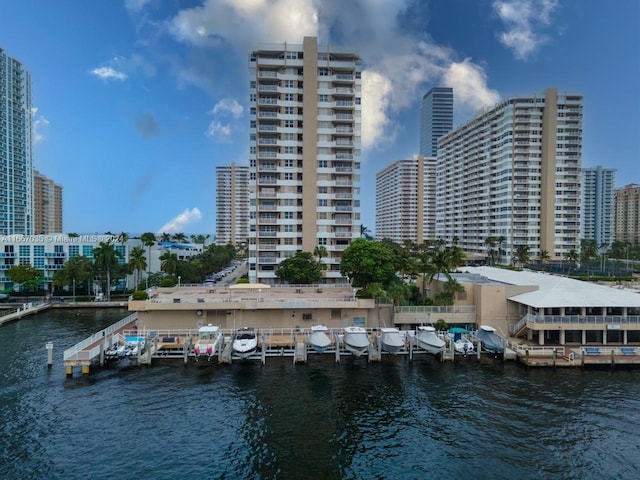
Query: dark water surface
x=391, y=420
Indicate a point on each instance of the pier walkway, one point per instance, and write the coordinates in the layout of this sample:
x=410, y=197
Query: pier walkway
x=576, y=356
x=23, y=311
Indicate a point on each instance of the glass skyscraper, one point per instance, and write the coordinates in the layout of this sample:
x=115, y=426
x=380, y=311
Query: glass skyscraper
x=16, y=161
x=436, y=119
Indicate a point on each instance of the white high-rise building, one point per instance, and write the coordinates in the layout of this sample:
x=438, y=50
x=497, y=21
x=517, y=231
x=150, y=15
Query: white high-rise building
x=16, y=160
x=513, y=173
x=406, y=199
x=598, y=205
x=232, y=204
x=304, y=155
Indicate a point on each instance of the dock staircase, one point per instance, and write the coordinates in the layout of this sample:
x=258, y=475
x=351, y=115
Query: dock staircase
x=518, y=328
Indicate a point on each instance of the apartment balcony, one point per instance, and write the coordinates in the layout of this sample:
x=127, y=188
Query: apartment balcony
x=267, y=234
x=343, y=208
x=268, y=181
x=344, y=156
x=339, y=91
x=343, y=234
x=344, y=104
x=343, y=143
x=262, y=194
x=267, y=128
x=267, y=154
x=343, y=170
x=342, y=77
x=268, y=88
x=267, y=168
x=343, y=117
x=267, y=208
x=267, y=74
x=343, y=183
x=267, y=114
x=267, y=141
x=267, y=260
x=343, y=196
x=268, y=101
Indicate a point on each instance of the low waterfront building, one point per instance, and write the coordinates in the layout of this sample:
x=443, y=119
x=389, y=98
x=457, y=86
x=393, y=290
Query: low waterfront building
x=258, y=306
x=551, y=309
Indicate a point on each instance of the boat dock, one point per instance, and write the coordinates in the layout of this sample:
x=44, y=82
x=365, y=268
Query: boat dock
x=576, y=356
x=178, y=345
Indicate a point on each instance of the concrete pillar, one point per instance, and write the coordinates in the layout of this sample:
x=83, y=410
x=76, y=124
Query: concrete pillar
x=584, y=337
x=49, y=347
x=583, y=311
x=541, y=337
x=69, y=371
x=562, y=337
x=604, y=336
x=85, y=369
x=624, y=337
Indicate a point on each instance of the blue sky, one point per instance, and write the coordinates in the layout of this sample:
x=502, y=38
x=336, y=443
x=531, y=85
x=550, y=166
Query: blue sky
x=138, y=100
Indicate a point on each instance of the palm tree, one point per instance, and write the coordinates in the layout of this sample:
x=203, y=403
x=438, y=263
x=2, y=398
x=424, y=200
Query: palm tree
x=571, y=257
x=148, y=239
x=522, y=254
x=365, y=233
x=544, y=256
x=169, y=263
x=179, y=237
x=501, y=251
x=321, y=252
x=491, y=251
x=165, y=237
x=105, y=256
x=138, y=263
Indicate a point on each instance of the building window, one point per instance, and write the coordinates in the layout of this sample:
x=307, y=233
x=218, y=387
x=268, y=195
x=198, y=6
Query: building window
x=289, y=84
x=288, y=163
x=289, y=150
x=288, y=228
x=289, y=97
x=322, y=164
x=323, y=98
x=322, y=241
x=322, y=202
x=288, y=176
x=288, y=123
x=288, y=215
x=288, y=110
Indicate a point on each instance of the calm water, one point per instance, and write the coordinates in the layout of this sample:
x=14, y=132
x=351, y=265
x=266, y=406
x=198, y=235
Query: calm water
x=392, y=420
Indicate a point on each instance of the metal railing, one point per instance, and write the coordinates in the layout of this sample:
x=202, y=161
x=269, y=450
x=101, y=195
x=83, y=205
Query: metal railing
x=77, y=352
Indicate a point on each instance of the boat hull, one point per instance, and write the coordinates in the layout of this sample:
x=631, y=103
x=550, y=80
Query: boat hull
x=392, y=340
x=429, y=341
x=356, y=340
x=319, y=341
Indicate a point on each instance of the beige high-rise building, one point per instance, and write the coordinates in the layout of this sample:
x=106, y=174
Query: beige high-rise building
x=514, y=172
x=47, y=205
x=232, y=204
x=304, y=155
x=406, y=200
x=628, y=214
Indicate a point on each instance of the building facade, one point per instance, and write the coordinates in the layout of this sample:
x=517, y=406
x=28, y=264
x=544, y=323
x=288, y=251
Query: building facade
x=627, y=219
x=16, y=157
x=304, y=155
x=598, y=205
x=232, y=204
x=436, y=119
x=47, y=205
x=514, y=173
x=406, y=200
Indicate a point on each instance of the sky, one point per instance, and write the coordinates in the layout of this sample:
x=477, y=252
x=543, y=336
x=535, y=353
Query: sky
x=135, y=102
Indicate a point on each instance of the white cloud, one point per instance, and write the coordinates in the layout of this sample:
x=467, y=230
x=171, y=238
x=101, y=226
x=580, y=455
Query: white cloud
x=38, y=125
x=398, y=68
x=228, y=105
x=135, y=6
x=219, y=132
x=244, y=23
x=178, y=223
x=522, y=19
x=108, y=73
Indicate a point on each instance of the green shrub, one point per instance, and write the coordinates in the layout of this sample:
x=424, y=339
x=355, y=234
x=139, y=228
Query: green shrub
x=140, y=295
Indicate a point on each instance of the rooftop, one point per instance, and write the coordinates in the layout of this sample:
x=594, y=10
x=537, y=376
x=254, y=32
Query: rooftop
x=554, y=291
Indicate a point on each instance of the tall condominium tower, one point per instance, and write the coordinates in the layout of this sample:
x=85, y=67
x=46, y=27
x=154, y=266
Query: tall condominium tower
x=304, y=155
x=514, y=173
x=627, y=219
x=47, y=205
x=406, y=200
x=436, y=119
x=598, y=205
x=232, y=204
x=16, y=161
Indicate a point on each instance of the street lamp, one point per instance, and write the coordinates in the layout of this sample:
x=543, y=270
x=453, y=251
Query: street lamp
x=178, y=281
x=259, y=294
x=74, y=289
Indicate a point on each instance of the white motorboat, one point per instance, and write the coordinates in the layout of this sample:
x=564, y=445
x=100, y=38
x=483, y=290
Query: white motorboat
x=245, y=342
x=319, y=338
x=428, y=339
x=209, y=339
x=392, y=339
x=461, y=343
x=356, y=340
x=490, y=340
